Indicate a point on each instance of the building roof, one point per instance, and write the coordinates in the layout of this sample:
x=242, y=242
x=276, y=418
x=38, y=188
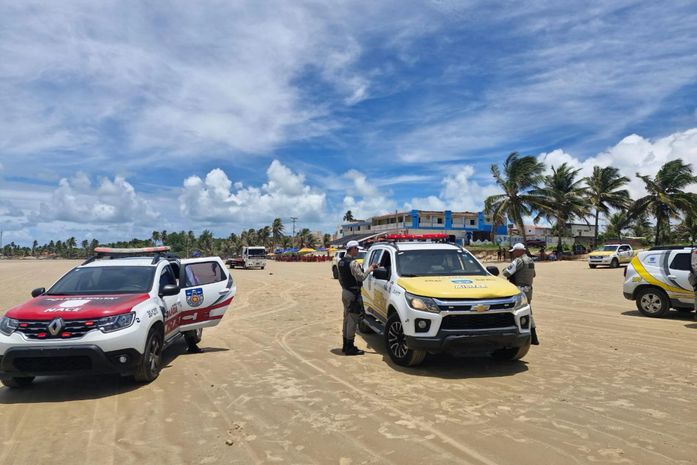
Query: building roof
x=353, y=237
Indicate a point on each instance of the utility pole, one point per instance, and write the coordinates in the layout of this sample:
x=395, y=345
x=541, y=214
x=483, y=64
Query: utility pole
x=293, y=219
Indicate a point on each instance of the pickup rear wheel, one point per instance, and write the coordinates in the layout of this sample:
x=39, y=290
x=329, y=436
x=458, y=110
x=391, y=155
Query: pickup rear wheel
x=150, y=365
x=653, y=302
x=17, y=382
x=614, y=263
x=396, y=344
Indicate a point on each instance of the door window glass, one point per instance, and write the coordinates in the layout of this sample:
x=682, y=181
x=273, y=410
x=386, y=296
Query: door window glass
x=374, y=257
x=167, y=277
x=198, y=274
x=681, y=262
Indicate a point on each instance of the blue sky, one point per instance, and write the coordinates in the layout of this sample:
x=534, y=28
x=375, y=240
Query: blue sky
x=123, y=117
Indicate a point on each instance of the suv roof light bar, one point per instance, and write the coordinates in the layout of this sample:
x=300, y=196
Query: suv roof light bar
x=116, y=252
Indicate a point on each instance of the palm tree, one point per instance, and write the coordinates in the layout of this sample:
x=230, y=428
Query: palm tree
x=605, y=191
x=277, y=231
x=85, y=247
x=617, y=223
x=687, y=230
x=71, y=243
x=519, y=177
x=264, y=236
x=155, y=237
x=34, y=245
x=348, y=217
x=562, y=198
x=306, y=239
x=326, y=240
x=163, y=237
x=641, y=226
x=205, y=242
x=666, y=197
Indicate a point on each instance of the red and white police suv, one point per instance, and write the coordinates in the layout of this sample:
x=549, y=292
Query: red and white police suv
x=113, y=314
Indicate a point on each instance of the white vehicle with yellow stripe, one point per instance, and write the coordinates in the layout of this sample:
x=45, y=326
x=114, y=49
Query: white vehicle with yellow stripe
x=434, y=297
x=658, y=281
x=612, y=255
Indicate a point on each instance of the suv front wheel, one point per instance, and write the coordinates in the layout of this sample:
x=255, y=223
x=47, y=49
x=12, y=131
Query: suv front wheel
x=396, y=344
x=149, y=367
x=652, y=302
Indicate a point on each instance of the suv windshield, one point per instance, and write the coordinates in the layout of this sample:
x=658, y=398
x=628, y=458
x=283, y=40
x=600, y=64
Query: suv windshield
x=609, y=248
x=437, y=263
x=105, y=280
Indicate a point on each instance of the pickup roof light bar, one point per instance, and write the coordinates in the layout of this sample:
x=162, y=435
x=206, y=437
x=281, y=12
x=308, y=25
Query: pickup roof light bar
x=415, y=237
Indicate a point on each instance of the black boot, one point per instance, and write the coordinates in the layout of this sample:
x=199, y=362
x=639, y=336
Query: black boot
x=533, y=339
x=350, y=349
x=194, y=349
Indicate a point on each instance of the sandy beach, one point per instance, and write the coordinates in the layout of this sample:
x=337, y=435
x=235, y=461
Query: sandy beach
x=607, y=385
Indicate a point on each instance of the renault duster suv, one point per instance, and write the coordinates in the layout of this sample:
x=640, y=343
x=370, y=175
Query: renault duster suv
x=113, y=314
x=434, y=297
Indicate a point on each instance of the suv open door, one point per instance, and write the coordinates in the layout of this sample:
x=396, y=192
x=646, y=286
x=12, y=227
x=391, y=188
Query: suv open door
x=206, y=291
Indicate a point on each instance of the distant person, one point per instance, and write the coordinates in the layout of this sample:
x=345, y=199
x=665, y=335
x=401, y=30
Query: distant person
x=543, y=255
x=521, y=272
x=351, y=277
x=692, y=277
x=499, y=254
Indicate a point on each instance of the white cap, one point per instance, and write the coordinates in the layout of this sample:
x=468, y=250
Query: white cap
x=352, y=244
x=518, y=246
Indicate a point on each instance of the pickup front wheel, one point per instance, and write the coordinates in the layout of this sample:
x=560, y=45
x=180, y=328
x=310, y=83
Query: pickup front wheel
x=396, y=344
x=150, y=365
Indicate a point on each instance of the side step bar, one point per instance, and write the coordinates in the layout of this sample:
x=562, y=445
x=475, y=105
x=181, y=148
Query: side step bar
x=374, y=324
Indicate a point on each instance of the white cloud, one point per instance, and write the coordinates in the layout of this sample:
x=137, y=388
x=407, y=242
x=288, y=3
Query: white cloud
x=285, y=194
x=363, y=197
x=635, y=154
x=459, y=192
x=76, y=200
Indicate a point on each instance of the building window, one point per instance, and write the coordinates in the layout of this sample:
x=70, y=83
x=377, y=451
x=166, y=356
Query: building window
x=440, y=220
x=472, y=222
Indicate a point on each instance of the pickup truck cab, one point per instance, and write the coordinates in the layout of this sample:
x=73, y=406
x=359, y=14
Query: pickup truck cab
x=115, y=313
x=612, y=255
x=436, y=297
x=252, y=257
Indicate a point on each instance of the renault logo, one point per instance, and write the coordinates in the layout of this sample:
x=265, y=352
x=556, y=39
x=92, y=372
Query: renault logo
x=55, y=326
x=480, y=308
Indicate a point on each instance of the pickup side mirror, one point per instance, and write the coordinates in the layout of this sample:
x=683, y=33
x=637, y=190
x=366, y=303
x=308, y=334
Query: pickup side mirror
x=169, y=289
x=381, y=273
x=38, y=291
x=493, y=270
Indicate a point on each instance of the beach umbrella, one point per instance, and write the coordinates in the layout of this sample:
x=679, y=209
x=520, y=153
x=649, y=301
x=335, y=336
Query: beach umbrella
x=306, y=250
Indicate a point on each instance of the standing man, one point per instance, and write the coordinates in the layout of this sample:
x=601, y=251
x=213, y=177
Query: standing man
x=351, y=277
x=692, y=278
x=521, y=272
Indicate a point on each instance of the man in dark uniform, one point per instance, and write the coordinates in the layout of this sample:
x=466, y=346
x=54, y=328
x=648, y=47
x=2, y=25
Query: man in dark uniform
x=351, y=277
x=521, y=272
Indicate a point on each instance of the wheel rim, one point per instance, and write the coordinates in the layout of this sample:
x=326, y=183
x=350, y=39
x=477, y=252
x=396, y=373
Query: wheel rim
x=651, y=303
x=154, y=355
x=396, y=341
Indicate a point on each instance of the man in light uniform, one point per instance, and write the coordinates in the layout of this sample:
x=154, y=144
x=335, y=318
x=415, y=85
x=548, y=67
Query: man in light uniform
x=692, y=278
x=351, y=277
x=521, y=272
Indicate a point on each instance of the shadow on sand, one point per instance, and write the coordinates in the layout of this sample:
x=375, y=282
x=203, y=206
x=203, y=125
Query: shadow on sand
x=86, y=387
x=447, y=366
x=671, y=315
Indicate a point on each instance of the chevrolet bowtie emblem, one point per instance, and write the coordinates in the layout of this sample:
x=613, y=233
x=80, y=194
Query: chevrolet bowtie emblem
x=480, y=308
x=55, y=326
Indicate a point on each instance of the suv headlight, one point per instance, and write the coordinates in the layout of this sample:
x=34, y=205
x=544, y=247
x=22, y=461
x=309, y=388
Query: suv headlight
x=116, y=322
x=521, y=300
x=424, y=304
x=8, y=325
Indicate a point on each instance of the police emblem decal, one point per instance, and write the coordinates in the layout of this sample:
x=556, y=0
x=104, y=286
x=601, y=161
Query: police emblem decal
x=194, y=297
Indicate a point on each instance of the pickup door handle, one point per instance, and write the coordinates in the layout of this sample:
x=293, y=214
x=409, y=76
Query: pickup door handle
x=672, y=276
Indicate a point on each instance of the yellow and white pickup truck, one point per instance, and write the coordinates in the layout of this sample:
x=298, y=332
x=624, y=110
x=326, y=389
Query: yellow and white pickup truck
x=612, y=255
x=428, y=297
